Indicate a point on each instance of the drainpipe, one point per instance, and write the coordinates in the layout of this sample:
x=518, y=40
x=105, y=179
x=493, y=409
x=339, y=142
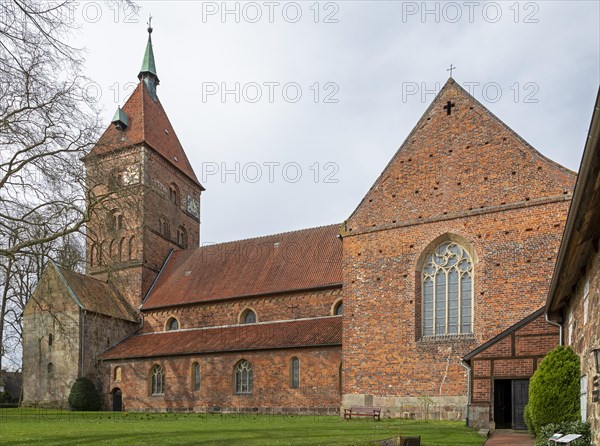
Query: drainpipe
x=560, y=328
x=82, y=342
x=468, y=369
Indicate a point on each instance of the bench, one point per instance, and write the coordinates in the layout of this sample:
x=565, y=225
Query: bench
x=374, y=412
x=560, y=439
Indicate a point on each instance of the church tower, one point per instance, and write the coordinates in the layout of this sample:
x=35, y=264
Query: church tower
x=146, y=196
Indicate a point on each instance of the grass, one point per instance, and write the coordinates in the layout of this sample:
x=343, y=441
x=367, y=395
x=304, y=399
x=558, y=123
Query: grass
x=52, y=427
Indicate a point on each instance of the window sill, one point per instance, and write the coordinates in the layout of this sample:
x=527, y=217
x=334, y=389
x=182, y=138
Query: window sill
x=447, y=338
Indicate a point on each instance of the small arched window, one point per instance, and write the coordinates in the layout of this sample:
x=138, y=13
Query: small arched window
x=195, y=376
x=50, y=368
x=172, y=324
x=50, y=339
x=248, y=317
x=100, y=254
x=163, y=227
x=112, y=249
x=131, y=248
x=338, y=308
x=295, y=373
x=447, y=291
x=174, y=194
x=115, y=220
x=122, y=253
x=117, y=375
x=93, y=255
x=157, y=380
x=243, y=377
x=182, y=237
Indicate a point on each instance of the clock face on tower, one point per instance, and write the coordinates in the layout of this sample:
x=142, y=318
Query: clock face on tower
x=193, y=207
x=131, y=175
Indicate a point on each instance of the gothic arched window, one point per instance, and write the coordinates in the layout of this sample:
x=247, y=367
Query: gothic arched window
x=243, y=377
x=157, y=380
x=131, y=248
x=295, y=373
x=93, y=255
x=447, y=291
x=338, y=308
x=163, y=227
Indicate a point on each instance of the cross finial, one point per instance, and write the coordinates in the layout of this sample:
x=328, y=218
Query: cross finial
x=452, y=67
x=149, y=23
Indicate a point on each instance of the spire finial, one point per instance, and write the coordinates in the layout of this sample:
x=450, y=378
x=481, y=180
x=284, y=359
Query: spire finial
x=149, y=23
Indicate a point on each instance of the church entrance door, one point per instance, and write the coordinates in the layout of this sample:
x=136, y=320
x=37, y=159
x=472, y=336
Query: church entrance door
x=117, y=400
x=510, y=398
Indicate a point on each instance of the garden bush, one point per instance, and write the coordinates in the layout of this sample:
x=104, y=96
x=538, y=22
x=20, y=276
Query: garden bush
x=566, y=427
x=84, y=396
x=554, y=389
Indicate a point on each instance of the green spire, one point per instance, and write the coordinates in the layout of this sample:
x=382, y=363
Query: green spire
x=148, y=70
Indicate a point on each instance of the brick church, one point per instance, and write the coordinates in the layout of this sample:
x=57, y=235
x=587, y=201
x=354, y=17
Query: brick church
x=426, y=301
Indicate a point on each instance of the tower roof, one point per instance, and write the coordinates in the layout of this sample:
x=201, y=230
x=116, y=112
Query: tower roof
x=143, y=120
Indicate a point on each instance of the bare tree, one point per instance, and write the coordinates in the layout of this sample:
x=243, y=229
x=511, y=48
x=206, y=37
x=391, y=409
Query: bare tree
x=47, y=123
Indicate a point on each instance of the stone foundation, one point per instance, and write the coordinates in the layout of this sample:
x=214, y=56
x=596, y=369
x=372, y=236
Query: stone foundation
x=417, y=408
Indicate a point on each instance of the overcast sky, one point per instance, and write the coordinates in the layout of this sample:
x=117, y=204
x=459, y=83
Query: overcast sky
x=328, y=91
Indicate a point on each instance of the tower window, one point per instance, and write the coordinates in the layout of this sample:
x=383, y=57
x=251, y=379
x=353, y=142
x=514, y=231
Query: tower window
x=50, y=340
x=163, y=227
x=115, y=220
x=182, y=237
x=131, y=248
x=50, y=368
x=174, y=194
x=447, y=291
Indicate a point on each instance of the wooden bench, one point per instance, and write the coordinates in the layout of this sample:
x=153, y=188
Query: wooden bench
x=374, y=412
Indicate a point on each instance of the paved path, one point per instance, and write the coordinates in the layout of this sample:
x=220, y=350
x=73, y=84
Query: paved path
x=509, y=438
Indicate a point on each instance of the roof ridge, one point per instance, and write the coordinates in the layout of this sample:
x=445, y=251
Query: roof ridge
x=263, y=236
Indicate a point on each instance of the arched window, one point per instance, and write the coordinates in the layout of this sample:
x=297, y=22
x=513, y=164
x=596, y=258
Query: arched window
x=174, y=194
x=447, y=291
x=163, y=227
x=112, y=249
x=115, y=220
x=295, y=373
x=100, y=254
x=50, y=368
x=121, y=250
x=338, y=308
x=131, y=248
x=117, y=376
x=93, y=255
x=50, y=339
x=182, y=237
x=195, y=376
x=243, y=377
x=172, y=324
x=248, y=316
x=157, y=380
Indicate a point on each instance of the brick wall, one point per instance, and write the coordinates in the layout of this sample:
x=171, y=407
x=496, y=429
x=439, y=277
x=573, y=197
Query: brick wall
x=463, y=177
x=318, y=390
x=274, y=308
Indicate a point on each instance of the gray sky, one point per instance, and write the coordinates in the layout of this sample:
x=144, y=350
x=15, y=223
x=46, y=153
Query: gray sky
x=331, y=89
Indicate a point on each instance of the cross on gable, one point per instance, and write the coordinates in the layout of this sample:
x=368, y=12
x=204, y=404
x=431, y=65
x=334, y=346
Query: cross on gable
x=448, y=107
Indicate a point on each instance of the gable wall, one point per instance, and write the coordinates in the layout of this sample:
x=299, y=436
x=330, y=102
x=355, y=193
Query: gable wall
x=463, y=174
x=50, y=310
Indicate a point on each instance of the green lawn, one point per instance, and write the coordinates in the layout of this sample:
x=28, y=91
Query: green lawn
x=51, y=427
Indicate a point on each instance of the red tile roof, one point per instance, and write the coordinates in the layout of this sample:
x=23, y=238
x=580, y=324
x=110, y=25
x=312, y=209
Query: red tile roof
x=325, y=331
x=299, y=260
x=149, y=124
x=97, y=296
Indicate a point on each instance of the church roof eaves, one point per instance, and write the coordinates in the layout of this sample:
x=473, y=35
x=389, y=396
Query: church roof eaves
x=504, y=334
x=296, y=333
